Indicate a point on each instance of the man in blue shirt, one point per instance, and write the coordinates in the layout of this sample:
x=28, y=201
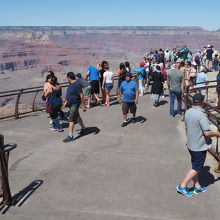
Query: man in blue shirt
x=129, y=90
x=74, y=97
x=93, y=75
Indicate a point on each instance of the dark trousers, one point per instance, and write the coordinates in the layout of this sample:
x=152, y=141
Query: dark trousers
x=178, y=96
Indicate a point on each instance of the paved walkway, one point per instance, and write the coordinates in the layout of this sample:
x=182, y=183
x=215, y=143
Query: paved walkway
x=113, y=173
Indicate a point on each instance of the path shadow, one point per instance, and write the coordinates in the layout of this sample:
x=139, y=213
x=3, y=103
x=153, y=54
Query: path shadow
x=88, y=131
x=163, y=102
x=139, y=119
x=20, y=198
x=206, y=178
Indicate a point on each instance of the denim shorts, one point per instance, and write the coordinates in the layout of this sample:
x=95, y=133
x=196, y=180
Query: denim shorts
x=108, y=85
x=197, y=159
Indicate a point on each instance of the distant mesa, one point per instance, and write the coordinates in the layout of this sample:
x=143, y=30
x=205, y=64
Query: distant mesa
x=30, y=51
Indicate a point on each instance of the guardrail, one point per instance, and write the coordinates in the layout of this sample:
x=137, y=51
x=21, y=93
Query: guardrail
x=4, y=158
x=213, y=111
x=16, y=103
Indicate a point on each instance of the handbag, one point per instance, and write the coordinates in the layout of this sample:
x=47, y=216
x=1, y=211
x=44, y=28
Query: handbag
x=49, y=108
x=44, y=98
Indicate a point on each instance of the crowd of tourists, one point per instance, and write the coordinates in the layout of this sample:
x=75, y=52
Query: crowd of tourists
x=186, y=69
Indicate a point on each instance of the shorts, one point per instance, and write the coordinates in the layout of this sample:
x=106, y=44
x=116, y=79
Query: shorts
x=108, y=85
x=94, y=87
x=197, y=159
x=129, y=106
x=73, y=113
x=87, y=92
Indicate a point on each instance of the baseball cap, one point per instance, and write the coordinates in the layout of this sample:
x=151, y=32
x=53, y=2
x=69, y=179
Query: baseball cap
x=142, y=64
x=198, y=98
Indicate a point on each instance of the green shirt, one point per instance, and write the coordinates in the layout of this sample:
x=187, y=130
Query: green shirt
x=176, y=78
x=184, y=53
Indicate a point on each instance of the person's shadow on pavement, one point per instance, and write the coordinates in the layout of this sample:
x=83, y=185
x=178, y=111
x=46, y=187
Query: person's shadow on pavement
x=87, y=131
x=206, y=178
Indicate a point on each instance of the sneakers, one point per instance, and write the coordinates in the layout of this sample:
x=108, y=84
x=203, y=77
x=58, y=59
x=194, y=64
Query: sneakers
x=59, y=129
x=52, y=128
x=184, y=190
x=68, y=139
x=197, y=190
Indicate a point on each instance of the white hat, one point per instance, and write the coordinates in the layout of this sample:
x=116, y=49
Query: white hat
x=208, y=45
x=194, y=63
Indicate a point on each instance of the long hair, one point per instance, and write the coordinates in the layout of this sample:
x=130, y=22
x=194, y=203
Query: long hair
x=104, y=64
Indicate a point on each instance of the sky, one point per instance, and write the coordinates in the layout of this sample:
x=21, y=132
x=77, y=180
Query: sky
x=203, y=13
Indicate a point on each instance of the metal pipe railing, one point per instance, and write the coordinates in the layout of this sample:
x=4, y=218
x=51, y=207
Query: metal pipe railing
x=4, y=181
x=16, y=96
x=213, y=112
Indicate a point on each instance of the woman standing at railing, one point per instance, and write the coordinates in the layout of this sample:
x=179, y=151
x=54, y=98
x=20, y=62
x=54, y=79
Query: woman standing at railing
x=107, y=85
x=54, y=103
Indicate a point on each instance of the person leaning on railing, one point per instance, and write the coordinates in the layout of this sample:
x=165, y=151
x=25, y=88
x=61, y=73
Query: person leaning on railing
x=54, y=103
x=199, y=136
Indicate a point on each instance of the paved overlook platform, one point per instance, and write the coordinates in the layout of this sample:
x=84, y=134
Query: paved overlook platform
x=112, y=173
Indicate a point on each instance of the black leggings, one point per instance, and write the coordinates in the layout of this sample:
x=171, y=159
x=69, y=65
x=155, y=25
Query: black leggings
x=56, y=107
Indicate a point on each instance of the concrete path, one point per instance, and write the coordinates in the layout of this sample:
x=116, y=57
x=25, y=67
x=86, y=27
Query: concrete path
x=113, y=173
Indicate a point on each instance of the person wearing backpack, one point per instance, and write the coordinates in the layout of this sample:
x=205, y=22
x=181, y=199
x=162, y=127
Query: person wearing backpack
x=197, y=59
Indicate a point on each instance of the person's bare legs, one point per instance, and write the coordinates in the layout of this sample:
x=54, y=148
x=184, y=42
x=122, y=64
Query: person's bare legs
x=71, y=127
x=96, y=97
x=89, y=101
x=125, y=117
x=107, y=92
x=191, y=175
x=80, y=121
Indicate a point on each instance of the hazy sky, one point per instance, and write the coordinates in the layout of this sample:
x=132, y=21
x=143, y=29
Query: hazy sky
x=204, y=13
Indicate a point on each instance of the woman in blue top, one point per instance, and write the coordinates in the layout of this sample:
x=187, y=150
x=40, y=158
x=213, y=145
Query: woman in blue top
x=54, y=99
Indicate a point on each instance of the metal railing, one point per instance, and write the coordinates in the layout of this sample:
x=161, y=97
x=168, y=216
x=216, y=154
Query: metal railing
x=19, y=102
x=212, y=110
x=16, y=103
x=4, y=159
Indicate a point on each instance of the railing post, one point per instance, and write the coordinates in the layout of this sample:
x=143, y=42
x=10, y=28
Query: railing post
x=17, y=103
x=33, y=104
x=1, y=178
x=4, y=172
x=4, y=157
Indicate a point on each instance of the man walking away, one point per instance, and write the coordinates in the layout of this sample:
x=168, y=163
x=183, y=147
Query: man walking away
x=175, y=84
x=199, y=135
x=209, y=53
x=86, y=88
x=93, y=75
x=129, y=90
x=74, y=97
